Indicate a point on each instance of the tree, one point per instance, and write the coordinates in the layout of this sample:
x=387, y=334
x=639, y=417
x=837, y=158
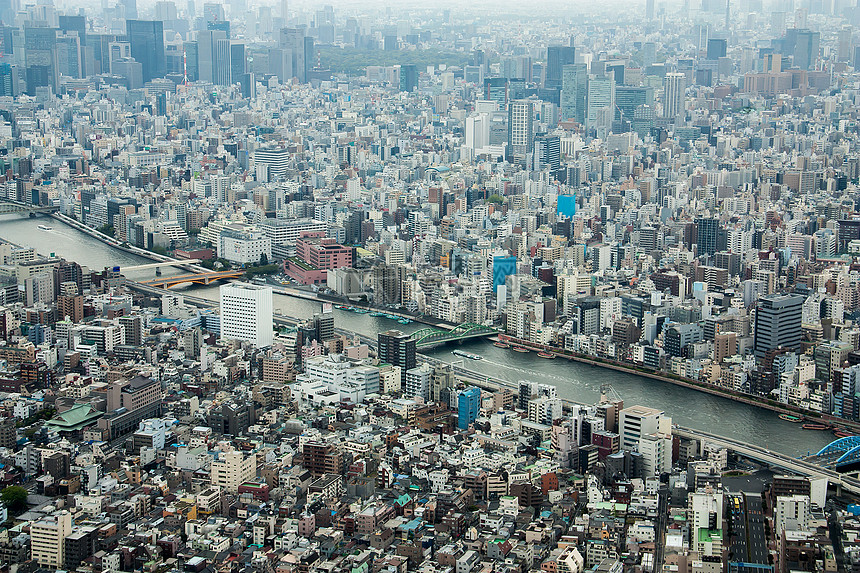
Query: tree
x=14, y=497
x=264, y=259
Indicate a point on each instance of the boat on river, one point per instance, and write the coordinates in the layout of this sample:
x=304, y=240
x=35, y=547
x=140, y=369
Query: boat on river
x=790, y=418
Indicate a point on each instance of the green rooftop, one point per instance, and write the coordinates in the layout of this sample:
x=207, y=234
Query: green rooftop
x=709, y=535
x=75, y=418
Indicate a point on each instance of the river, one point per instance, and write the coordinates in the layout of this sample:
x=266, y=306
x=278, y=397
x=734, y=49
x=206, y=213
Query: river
x=575, y=381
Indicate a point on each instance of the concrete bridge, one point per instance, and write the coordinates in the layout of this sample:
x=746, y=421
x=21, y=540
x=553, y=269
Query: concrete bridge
x=8, y=207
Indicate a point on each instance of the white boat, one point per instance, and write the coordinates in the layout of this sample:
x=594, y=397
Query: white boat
x=45, y=228
x=466, y=355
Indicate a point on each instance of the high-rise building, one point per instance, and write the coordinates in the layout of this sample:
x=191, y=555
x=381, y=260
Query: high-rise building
x=674, y=86
x=246, y=313
x=207, y=47
x=778, y=323
x=408, y=77
x=574, y=92
x=418, y=382
x=47, y=539
x=548, y=151
x=716, y=48
x=520, y=129
x=468, y=406
x=147, y=46
x=300, y=52
x=397, y=349
x=40, y=57
x=600, y=102
x=707, y=231
x=556, y=58
x=635, y=422
x=222, y=65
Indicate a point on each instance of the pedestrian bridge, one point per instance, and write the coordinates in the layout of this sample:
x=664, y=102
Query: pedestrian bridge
x=838, y=454
x=431, y=336
x=193, y=278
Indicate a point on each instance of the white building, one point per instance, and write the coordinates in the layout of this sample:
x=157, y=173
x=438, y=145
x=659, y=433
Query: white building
x=246, y=313
x=232, y=469
x=243, y=247
x=792, y=513
x=47, y=539
x=418, y=382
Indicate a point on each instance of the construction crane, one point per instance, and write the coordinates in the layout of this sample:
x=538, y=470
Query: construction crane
x=606, y=390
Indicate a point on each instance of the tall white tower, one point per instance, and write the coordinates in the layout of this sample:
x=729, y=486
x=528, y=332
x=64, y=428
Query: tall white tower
x=246, y=313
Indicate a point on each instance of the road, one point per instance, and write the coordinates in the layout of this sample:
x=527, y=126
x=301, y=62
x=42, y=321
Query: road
x=774, y=459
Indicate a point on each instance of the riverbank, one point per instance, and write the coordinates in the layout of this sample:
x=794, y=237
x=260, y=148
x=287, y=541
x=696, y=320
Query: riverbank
x=126, y=248
x=686, y=383
x=727, y=393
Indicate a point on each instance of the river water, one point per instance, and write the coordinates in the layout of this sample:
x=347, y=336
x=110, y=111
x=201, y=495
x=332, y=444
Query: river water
x=575, y=381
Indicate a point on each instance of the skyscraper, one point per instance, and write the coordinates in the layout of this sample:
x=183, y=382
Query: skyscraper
x=600, y=102
x=556, y=58
x=301, y=51
x=574, y=90
x=246, y=313
x=778, y=323
x=222, y=68
x=147, y=46
x=520, y=129
x=207, y=46
x=707, y=231
x=397, y=349
x=674, y=85
x=408, y=77
x=40, y=56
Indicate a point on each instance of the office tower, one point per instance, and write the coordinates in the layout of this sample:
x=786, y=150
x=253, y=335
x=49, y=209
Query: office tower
x=47, y=539
x=221, y=71
x=674, y=85
x=574, y=92
x=275, y=160
x=293, y=40
x=246, y=313
x=238, y=61
x=468, y=406
x=707, y=231
x=520, y=129
x=397, y=349
x=806, y=49
x=628, y=98
x=600, y=101
x=248, y=85
x=843, y=48
x=147, y=46
x=40, y=56
x=496, y=89
x=408, y=77
x=716, y=48
x=777, y=323
x=548, y=151
x=207, y=47
x=8, y=76
x=649, y=9
x=556, y=58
